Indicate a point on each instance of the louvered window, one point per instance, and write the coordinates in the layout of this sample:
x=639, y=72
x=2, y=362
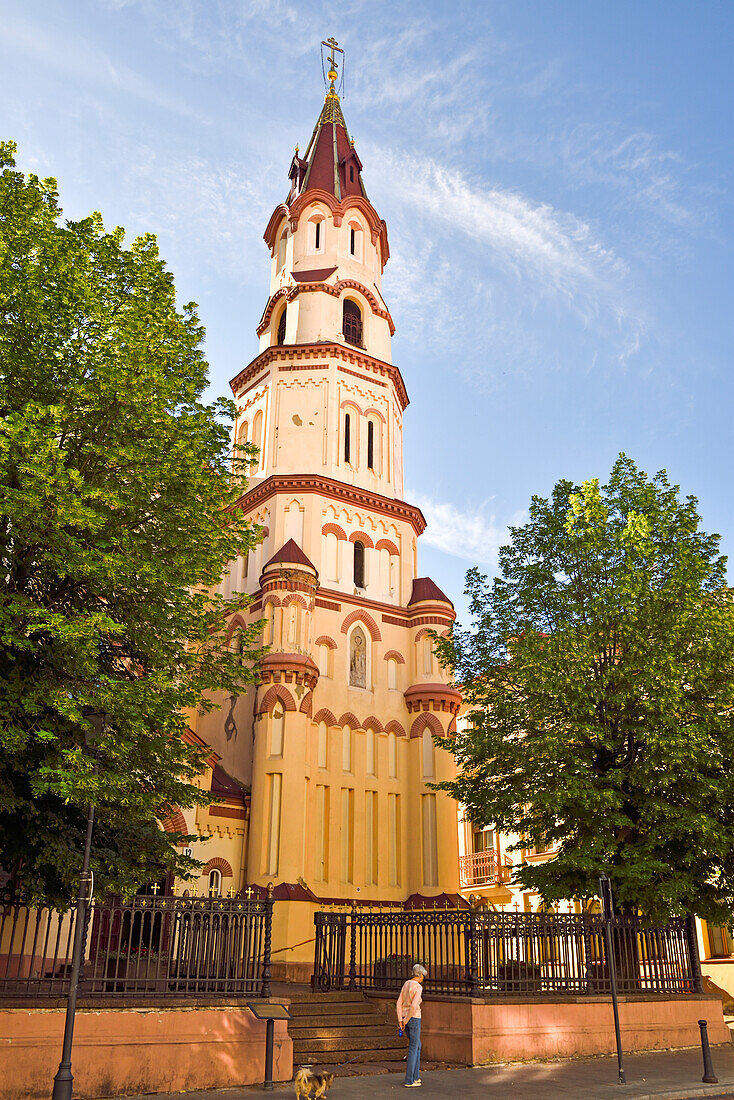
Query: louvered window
x=352, y=323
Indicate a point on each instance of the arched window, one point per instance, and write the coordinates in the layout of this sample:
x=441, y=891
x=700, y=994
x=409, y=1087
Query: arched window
x=358, y=658
x=352, y=322
x=268, y=628
x=325, y=661
x=322, y=746
x=359, y=564
x=257, y=431
x=215, y=883
x=347, y=437
x=294, y=625
x=317, y=235
x=276, y=731
x=346, y=749
x=370, y=445
x=281, y=328
x=427, y=656
x=371, y=752
x=392, y=673
x=428, y=759
x=282, y=245
x=392, y=755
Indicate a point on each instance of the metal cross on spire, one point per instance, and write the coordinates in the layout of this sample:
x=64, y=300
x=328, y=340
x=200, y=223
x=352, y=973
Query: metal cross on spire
x=333, y=47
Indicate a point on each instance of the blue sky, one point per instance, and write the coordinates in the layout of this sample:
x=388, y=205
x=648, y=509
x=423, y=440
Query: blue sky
x=556, y=178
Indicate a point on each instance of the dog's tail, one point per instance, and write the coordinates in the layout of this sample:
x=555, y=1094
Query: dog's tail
x=301, y=1077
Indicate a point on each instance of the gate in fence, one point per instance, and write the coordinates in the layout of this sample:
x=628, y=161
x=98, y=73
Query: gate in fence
x=167, y=946
x=469, y=953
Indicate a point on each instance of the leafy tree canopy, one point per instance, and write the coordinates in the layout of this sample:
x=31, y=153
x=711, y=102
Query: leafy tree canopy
x=599, y=679
x=115, y=478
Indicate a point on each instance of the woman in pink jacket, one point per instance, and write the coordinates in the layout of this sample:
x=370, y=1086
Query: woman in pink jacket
x=409, y=1019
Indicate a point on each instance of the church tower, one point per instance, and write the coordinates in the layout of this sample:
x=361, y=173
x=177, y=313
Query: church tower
x=337, y=741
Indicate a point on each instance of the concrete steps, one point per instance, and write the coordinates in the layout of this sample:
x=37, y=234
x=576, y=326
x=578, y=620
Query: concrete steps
x=344, y=1033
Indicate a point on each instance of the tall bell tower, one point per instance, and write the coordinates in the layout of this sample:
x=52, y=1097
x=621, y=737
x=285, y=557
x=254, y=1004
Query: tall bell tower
x=337, y=741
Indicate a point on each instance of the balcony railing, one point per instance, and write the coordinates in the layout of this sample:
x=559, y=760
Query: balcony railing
x=482, y=869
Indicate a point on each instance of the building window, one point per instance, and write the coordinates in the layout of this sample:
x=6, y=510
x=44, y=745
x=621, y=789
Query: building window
x=282, y=249
x=325, y=661
x=277, y=724
x=370, y=445
x=352, y=322
x=482, y=839
x=392, y=755
x=371, y=752
x=719, y=940
x=281, y=328
x=392, y=674
x=321, y=868
x=317, y=235
x=347, y=831
x=346, y=749
x=257, y=431
x=215, y=883
x=322, y=746
x=351, y=173
x=347, y=437
x=393, y=811
x=271, y=861
x=370, y=838
x=430, y=845
x=428, y=755
x=359, y=564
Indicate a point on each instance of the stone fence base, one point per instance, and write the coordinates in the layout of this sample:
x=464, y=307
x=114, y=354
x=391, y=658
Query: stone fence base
x=517, y=1029
x=125, y=1051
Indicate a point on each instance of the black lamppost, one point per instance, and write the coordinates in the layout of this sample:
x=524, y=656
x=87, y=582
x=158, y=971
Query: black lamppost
x=64, y=1080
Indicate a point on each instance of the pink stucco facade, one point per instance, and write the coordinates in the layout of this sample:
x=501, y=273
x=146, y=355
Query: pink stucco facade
x=121, y=1052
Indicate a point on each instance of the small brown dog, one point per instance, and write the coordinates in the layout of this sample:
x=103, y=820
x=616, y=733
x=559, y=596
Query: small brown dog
x=307, y=1082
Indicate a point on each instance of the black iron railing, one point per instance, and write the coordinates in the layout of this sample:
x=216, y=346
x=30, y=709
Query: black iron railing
x=471, y=953
x=166, y=946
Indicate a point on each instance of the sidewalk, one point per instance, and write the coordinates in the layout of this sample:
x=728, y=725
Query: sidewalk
x=667, y=1075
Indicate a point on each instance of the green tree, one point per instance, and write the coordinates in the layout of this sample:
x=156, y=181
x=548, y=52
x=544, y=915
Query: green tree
x=599, y=680
x=116, y=519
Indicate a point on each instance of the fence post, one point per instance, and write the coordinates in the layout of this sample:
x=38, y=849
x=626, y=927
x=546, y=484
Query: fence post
x=265, y=990
x=353, y=947
x=695, y=960
x=473, y=968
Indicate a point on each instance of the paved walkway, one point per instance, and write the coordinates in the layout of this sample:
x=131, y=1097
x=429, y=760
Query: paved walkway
x=667, y=1075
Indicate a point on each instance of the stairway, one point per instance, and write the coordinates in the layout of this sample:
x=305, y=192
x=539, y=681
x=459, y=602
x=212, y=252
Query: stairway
x=343, y=1033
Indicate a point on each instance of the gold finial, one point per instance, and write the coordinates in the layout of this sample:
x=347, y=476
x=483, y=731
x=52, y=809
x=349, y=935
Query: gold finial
x=296, y=150
x=332, y=75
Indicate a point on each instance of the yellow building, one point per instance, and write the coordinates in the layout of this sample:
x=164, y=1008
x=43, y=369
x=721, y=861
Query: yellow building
x=335, y=746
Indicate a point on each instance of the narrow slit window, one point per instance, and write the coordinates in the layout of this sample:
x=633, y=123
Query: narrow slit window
x=351, y=173
x=281, y=328
x=317, y=235
x=353, y=241
x=347, y=437
x=370, y=445
x=359, y=564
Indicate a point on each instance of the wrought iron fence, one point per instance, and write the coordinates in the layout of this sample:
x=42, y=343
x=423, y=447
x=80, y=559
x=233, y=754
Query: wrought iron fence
x=501, y=954
x=165, y=946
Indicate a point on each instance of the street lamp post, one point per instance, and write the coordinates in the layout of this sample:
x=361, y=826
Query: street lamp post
x=64, y=1079
x=605, y=893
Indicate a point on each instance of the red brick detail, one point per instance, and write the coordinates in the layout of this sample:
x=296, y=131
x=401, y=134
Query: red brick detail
x=324, y=639
x=334, y=529
x=174, y=821
x=274, y=693
x=352, y=284
x=392, y=654
x=289, y=353
x=366, y=619
x=237, y=623
x=395, y=727
x=286, y=292
x=353, y=495
x=432, y=696
x=359, y=536
x=293, y=597
x=426, y=720
x=385, y=544
x=227, y=811
x=364, y=378
x=272, y=598
x=325, y=715
x=393, y=620
x=436, y=619
x=452, y=727
x=328, y=605
x=218, y=863
x=350, y=720
x=307, y=704
x=372, y=723
x=372, y=411
x=422, y=633
x=338, y=209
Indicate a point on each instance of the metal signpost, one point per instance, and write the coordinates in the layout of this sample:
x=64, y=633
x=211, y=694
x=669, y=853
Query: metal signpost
x=264, y=1010
x=605, y=893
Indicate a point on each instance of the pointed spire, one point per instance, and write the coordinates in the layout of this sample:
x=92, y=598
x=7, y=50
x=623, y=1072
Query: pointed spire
x=331, y=162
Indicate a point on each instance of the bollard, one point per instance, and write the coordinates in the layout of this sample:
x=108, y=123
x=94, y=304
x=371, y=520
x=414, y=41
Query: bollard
x=709, y=1077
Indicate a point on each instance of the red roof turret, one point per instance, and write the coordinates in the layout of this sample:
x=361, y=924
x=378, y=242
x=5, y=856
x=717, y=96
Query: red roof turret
x=290, y=553
x=426, y=589
x=331, y=163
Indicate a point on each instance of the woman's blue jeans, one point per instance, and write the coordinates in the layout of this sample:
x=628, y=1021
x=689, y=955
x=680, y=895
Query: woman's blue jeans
x=413, y=1066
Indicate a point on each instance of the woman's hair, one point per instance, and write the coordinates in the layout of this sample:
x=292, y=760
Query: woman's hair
x=418, y=969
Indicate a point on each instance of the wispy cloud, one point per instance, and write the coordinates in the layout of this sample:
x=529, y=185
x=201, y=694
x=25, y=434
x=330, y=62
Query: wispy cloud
x=557, y=249
x=471, y=534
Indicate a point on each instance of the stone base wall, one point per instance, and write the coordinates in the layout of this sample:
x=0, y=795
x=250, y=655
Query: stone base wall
x=127, y=1051
x=517, y=1029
